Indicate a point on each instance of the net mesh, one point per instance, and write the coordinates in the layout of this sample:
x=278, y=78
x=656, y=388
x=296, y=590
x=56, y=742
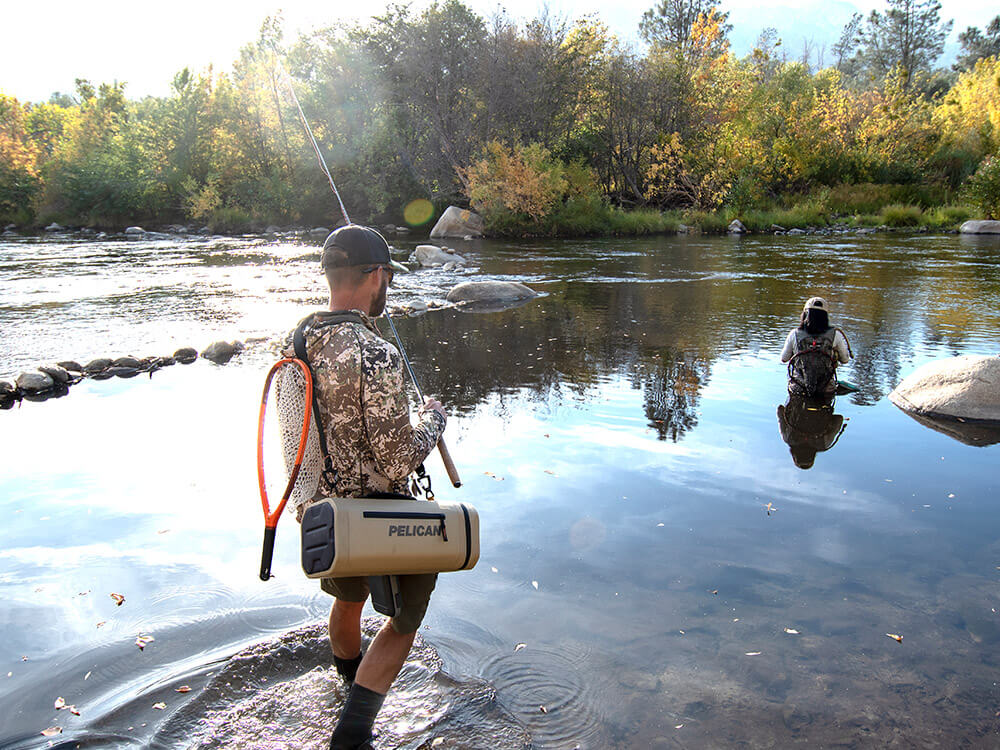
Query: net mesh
x=289, y=400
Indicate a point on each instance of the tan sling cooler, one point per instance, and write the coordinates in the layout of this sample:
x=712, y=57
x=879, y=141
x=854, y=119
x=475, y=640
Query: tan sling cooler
x=388, y=536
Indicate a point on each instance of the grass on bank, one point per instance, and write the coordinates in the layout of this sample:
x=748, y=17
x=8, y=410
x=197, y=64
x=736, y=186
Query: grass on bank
x=896, y=206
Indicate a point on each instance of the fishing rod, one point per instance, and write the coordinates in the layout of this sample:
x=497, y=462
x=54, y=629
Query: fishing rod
x=449, y=464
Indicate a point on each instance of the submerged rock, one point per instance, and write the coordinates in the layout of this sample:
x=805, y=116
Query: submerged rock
x=221, y=352
x=458, y=222
x=980, y=227
x=33, y=382
x=966, y=387
x=285, y=693
x=492, y=292
x=429, y=256
x=134, y=232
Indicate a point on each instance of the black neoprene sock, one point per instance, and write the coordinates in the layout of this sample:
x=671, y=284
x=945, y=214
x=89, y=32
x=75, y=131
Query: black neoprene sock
x=357, y=719
x=347, y=668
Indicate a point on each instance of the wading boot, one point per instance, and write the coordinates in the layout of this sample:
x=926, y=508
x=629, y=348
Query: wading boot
x=354, y=729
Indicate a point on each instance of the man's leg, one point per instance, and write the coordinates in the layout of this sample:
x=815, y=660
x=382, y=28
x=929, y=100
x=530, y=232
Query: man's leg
x=345, y=622
x=381, y=664
x=385, y=657
x=345, y=628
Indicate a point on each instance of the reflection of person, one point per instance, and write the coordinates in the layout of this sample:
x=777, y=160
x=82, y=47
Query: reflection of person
x=360, y=394
x=813, y=351
x=809, y=426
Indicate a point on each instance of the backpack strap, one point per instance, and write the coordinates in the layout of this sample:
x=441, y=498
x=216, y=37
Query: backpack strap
x=299, y=343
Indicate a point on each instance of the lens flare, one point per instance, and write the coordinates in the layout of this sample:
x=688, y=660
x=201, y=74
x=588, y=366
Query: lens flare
x=418, y=212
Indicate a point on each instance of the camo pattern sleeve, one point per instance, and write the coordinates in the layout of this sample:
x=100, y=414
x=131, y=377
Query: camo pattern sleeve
x=397, y=446
x=361, y=399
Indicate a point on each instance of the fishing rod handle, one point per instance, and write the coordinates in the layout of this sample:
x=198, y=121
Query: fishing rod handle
x=449, y=465
x=267, y=553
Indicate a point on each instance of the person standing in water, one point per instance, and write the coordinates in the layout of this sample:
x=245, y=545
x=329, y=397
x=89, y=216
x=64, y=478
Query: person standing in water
x=364, y=411
x=813, y=351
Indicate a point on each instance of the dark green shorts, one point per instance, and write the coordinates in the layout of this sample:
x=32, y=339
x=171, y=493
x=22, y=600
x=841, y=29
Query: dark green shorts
x=414, y=590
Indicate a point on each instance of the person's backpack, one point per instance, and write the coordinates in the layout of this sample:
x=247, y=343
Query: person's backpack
x=812, y=370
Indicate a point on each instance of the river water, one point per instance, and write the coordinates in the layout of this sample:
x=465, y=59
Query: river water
x=659, y=568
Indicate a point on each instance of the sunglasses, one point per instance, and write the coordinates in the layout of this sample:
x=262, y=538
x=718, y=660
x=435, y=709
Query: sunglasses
x=388, y=269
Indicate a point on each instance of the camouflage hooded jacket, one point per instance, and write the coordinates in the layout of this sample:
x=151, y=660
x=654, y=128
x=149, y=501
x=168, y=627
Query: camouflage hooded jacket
x=361, y=396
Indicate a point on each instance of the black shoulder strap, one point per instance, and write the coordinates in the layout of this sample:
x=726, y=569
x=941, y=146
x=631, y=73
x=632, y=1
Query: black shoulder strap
x=299, y=343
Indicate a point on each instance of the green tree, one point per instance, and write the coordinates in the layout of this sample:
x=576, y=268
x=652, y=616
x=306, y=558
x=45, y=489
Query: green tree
x=907, y=37
x=977, y=44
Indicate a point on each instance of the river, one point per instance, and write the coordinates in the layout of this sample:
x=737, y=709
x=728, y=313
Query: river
x=659, y=568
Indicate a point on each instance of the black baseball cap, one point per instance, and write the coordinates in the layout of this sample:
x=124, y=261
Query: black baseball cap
x=358, y=246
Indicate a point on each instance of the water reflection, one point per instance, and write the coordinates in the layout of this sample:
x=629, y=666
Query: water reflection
x=617, y=436
x=809, y=426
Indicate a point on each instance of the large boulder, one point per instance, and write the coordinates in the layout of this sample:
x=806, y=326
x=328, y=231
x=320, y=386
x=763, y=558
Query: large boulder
x=491, y=292
x=432, y=255
x=980, y=227
x=736, y=227
x=964, y=388
x=458, y=222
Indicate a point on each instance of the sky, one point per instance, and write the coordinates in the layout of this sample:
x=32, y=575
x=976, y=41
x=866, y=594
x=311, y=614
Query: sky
x=46, y=44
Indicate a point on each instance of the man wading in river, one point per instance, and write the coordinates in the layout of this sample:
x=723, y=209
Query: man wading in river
x=358, y=380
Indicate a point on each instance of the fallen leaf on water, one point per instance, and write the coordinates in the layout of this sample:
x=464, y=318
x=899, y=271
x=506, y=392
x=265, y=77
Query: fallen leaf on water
x=753, y=653
x=546, y=434
x=769, y=508
x=60, y=703
x=102, y=623
x=163, y=531
x=73, y=710
x=535, y=584
x=144, y=640
x=159, y=706
x=896, y=638
x=24, y=658
x=519, y=646
x=83, y=593
x=791, y=631
x=183, y=689
x=715, y=592
x=51, y=731
x=119, y=599
x=543, y=709
x=493, y=476
x=551, y=472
